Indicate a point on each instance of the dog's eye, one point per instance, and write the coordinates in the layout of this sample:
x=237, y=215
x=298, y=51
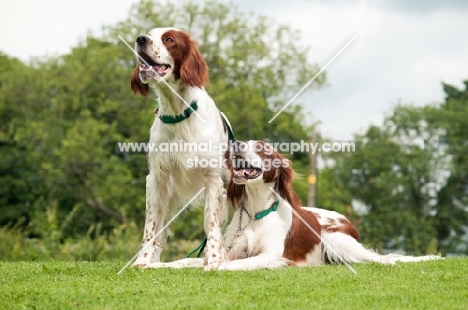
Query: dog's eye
x=169, y=39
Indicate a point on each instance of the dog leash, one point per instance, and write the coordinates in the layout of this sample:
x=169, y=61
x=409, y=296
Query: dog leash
x=201, y=247
x=240, y=230
x=256, y=217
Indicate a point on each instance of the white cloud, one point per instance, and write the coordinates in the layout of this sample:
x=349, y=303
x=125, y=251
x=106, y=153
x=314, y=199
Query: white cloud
x=395, y=56
x=49, y=27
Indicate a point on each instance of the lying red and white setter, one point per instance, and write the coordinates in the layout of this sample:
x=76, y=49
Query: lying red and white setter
x=173, y=67
x=265, y=232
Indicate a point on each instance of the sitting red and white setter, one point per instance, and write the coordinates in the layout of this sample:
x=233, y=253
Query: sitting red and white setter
x=268, y=227
x=170, y=63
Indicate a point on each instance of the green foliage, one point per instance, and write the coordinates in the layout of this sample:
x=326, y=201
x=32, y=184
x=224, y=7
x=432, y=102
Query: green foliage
x=85, y=285
x=408, y=178
x=333, y=194
x=389, y=180
x=121, y=242
x=95, y=244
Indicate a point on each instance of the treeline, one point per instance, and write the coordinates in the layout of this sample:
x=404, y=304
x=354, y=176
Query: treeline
x=408, y=179
x=67, y=192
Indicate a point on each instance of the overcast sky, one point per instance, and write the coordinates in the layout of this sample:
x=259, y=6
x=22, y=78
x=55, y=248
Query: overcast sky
x=403, y=49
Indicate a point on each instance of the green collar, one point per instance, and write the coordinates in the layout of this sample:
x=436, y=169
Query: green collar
x=264, y=213
x=167, y=119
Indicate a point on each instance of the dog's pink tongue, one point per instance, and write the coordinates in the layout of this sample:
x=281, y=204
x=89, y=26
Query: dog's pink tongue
x=239, y=173
x=157, y=69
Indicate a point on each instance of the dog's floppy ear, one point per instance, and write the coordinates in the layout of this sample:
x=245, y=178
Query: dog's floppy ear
x=235, y=193
x=193, y=68
x=136, y=84
x=285, y=178
x=284, y=185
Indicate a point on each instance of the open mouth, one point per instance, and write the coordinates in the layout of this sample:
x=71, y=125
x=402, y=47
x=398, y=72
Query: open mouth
x=243, y=170
x=149, y=65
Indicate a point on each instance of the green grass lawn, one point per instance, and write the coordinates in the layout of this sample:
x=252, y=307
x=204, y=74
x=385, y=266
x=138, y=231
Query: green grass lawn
x=96, y=285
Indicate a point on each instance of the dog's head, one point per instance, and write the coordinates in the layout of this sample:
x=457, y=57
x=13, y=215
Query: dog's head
x=255, y=162
x=167, y=54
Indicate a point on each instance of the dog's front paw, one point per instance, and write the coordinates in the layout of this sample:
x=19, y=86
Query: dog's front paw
x=212, y=266
x=139, y=265
x=157, y=265
x=223, y=266
x=213, y=263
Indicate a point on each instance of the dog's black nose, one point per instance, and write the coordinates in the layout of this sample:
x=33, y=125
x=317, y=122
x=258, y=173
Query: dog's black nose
x=143, y=39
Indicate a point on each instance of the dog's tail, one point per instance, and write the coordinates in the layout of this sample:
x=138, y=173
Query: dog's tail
x=338, y=248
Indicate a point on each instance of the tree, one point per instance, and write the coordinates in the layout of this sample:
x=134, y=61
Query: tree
x=387, y=180
x=445, y=135
x=408, y=178
x=18, y=183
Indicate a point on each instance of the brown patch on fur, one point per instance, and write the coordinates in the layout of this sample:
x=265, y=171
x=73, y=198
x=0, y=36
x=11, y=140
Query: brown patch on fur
x=282, y=176
x=300, y=240
x=349, y=229
x=235, y=194
x=189, y=64
x=344, y=226
x=136, y=84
